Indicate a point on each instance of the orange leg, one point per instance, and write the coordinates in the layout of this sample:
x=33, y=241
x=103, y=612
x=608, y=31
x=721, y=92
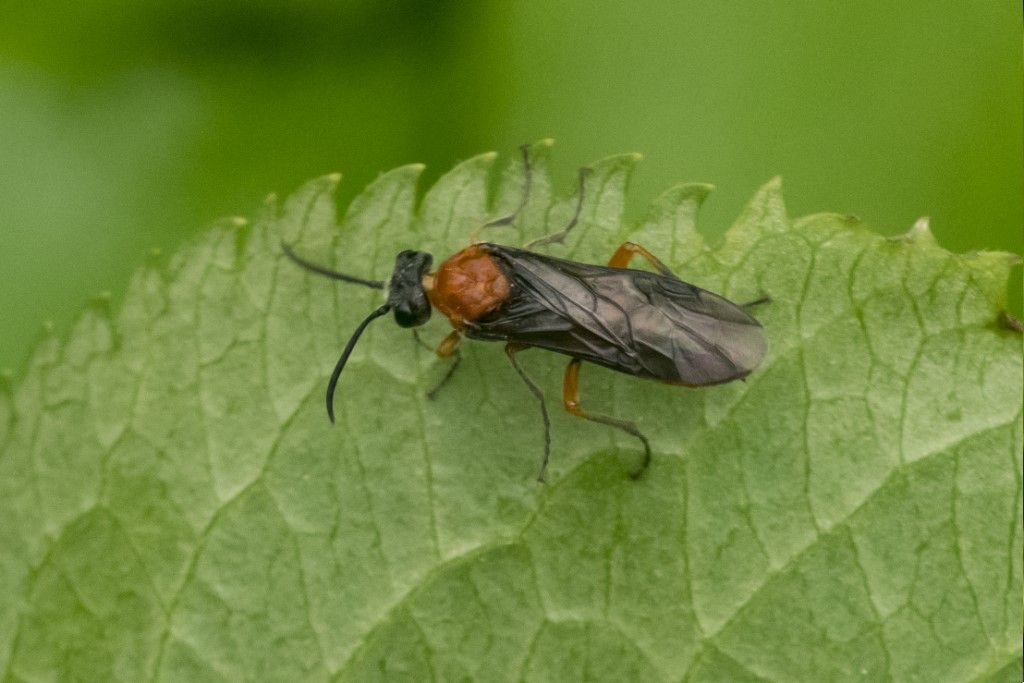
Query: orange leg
x=571, y=400
x=571, y=388
x=624, y=254
x=449, y=346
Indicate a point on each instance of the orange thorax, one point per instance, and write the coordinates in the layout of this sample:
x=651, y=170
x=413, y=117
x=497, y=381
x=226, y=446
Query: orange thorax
x=466, y=286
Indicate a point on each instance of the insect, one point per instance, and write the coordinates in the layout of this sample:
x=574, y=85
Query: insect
x=641, y=323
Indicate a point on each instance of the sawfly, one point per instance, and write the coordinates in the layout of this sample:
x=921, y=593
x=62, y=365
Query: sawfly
x=646, y=324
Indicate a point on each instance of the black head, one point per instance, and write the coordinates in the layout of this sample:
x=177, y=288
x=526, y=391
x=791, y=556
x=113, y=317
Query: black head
x=406, y=296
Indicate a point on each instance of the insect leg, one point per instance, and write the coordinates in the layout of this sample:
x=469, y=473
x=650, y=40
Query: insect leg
x=757, y=302
x=449, y=346
x=527, y=180
x=511, y=350
x=1009, y=322
x=571, y=400
x=419, y=340
x=559, y=237
x=624, y=254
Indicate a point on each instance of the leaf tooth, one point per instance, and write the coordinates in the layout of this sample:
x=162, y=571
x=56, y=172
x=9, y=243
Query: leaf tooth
x=241, y=227
x=604, y=203
x=309, y=214
x=670, y=200
x=371, y=193
x=455, y=205
x=765, y=214
x=539, y=153
x=376, y=222
x=670, y=224
x=100, y=313
x=919, y=233
x=767, y=209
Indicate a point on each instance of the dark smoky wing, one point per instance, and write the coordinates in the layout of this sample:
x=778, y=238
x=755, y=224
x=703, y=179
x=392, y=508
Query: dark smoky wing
x=553, y=306
x=684, y=296
x=630, y=320
x=710, y=338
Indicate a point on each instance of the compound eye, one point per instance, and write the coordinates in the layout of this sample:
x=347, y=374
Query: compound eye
x=414, y=316
x=404, y=318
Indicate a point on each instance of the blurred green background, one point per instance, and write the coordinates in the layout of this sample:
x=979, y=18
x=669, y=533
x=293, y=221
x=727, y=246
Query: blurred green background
x=125, y=126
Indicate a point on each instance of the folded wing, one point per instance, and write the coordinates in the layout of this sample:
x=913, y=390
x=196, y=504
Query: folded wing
x=634, y=321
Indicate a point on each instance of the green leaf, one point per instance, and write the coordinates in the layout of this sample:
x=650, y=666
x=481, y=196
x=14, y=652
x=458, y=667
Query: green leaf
x=174, y=504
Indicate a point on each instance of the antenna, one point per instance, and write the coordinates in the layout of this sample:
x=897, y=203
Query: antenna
x=327, y=272
x=346, y=353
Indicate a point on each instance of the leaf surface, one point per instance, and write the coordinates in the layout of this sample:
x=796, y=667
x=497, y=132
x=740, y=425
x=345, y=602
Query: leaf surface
x=175, y=506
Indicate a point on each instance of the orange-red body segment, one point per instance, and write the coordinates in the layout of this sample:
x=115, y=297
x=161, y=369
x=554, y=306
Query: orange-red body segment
x=467, y=285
